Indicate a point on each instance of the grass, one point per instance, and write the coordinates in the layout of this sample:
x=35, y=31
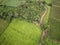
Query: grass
x=48, y=41
x=54, y=23
x=46, y=17
x=3, y=25
x=53, y=20
x=48, y=1
x=20, y=32
x=56, y=2
x=14, y=3
x=45, y=20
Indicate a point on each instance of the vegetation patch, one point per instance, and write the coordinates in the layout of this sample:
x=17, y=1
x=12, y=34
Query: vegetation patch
x=54, y=22
x=29, y=10
x=21, y=33
x=48, y=41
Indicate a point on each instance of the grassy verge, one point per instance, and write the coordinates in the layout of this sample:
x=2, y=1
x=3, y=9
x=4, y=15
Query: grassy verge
x=45, y=20
x=46, y=17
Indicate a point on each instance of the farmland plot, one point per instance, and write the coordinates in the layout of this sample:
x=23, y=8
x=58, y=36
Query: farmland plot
x=53, y=34
x=21, y=33
x=54, y=22
x=56, y=2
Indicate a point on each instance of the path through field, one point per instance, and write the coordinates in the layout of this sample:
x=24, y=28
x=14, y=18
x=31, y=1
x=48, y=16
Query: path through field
x=43, y=31
x=41, y=21
x=42, y=17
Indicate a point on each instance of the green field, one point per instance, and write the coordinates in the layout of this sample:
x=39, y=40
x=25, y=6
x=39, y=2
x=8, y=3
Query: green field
x=54, y=22
x=53, y=34
x=20, y=32
x=56, y=2
x=48, y=41
x=3, y=25
x=14, y=3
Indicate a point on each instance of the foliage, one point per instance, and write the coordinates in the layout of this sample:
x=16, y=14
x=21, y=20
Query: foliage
x=30, y=11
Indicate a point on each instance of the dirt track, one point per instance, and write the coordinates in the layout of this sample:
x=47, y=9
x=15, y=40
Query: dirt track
x=43, y=31
x=42, y=17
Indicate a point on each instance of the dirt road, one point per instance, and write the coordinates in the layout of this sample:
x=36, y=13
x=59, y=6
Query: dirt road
x=43, y=31
x=42, y=17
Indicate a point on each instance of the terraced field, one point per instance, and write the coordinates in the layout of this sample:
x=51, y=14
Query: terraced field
x=19, y=34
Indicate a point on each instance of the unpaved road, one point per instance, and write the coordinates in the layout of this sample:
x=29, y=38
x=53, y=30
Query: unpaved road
x=42, y=17
x=41, y=21
x=43, y=31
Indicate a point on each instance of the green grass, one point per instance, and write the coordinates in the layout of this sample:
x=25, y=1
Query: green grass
x=20, y=32
x=54, y=22
x=11, y=2
x=45, y=20
x=48, y=1
x=48, y=41
x=3, y=25
x=46, y=17
x=14, y=3
x=54, y=31
x=56, y=2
